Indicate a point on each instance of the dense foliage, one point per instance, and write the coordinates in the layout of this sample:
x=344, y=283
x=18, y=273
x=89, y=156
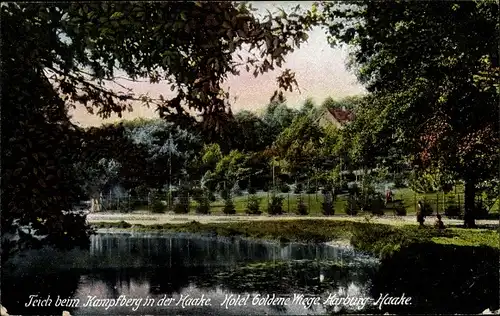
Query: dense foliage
x=61, y=55
x=432, y=68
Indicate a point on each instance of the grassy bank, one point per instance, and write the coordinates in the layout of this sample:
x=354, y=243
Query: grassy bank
x=438, y=201
x=379, y=239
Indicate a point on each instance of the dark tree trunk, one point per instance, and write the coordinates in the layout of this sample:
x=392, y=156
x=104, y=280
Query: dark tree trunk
x=469, y=207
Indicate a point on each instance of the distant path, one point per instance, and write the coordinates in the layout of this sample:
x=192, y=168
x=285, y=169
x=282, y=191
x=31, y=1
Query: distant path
x=150, y=219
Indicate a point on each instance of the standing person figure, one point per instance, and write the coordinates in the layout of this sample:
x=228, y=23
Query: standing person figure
x=420, y=214
x=388, y=196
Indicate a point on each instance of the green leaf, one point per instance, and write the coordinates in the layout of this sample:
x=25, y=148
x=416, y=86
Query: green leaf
x=116, y=15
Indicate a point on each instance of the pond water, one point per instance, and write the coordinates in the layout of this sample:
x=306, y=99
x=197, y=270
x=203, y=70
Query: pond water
x=168, y=271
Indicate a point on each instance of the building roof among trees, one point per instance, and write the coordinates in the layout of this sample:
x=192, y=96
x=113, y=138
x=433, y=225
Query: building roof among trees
x=341, y=115
x=336, y=116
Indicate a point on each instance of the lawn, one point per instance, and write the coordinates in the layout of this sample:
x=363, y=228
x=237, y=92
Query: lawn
x=313, y=202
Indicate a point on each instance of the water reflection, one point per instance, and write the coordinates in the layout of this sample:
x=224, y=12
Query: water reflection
x=439, y=278
x=186, y=250
x=158, y=266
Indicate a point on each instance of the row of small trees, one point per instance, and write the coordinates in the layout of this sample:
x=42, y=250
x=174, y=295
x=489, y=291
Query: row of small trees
x=204, y=198
x=366, y=200
x=355, y=203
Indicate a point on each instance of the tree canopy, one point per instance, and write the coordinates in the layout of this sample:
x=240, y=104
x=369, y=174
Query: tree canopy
x=431, y=70
x=431, y=62
x=61, y=55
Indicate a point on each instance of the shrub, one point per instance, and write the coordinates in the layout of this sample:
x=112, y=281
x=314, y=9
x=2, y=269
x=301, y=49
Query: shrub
x=284, y=188
x=265, y=187
x=181, y=198
x=370, y=201
x=157, y=206
x=301, y=207
x=203, y=202
x=298, y=188
x=376, y=204
x=377, y=211
x=229, y=207
x=399, y=209
x=252, y=190
x=253, y=205
x=275, y=207
x=327, y=208
x=351, y=207
x=203, y=206
x=180, y=208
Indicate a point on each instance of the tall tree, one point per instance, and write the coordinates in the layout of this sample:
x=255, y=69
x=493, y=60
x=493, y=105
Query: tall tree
x=298, y=146
x=170, y=150
x=250, y=132
x=61, y=55
x=348, y=103
x=370, y=139
x=435, y=64
x=228, y=170
x=308, y=107
x=277, y=116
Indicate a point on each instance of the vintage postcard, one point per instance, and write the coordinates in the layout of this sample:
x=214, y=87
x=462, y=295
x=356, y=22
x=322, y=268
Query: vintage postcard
x=250, y=158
